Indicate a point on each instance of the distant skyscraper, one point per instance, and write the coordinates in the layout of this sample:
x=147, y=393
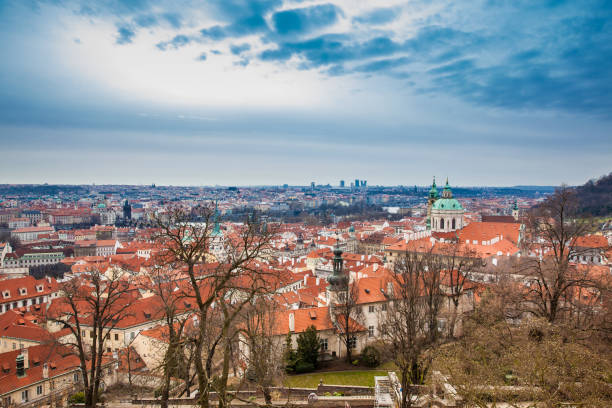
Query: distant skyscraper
x=341, y=183
x=356, y=183
x=364, y=183
x=312, y=185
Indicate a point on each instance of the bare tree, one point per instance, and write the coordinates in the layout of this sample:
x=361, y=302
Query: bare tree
x=553, y=231
x=93, y=304
x=455, y=262
x=344, y=307
x=174, y=310
x=535, y=362
x=212, y=263
x=406, y=327
x=261, y=348
x=348, y=313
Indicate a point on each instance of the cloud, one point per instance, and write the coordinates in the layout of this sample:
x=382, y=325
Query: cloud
x=241, y=9
x=305, y=20
x=378, y=16
x=515, y=54
x=331, y=49
x=174, y=19
x=240, y=18
x=201, y=57
x=175, y=43
x=146, y=20
x=125, y=35
x=239, y=49
x=240, y=28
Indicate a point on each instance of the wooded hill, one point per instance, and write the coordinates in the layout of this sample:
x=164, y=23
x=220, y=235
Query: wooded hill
x=595, y=197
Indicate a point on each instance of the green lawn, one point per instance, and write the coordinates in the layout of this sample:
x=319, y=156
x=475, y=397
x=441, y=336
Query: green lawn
x=365, y=378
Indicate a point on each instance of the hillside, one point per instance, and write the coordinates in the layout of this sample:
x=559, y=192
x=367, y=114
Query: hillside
x=596, y=197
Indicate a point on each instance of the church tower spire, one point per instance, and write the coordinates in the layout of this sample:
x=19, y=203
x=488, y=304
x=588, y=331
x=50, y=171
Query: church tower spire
x=433, y=196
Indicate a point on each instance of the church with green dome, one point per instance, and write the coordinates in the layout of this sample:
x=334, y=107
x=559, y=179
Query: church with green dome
x=444, y=213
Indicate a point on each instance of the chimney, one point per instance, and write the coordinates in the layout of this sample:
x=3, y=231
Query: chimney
x=305, y=280
x=318, y=281
x=45, y=372
x=26, y=359
x=291, y=322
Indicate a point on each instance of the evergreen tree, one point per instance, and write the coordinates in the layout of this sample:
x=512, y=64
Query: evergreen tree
x=308, y=344
x=291, y=357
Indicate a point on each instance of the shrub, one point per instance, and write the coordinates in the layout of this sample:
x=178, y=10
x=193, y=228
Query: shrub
x=304, y=367
x=370, y=356
x=78, y=398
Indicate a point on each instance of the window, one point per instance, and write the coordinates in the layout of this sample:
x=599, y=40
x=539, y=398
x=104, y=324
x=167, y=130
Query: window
x=39, y=390
x=453, y=223
x=83, y=333
x=371, y=308
x=370, y=331
x=24, y=396
x=132, y=335
x=323, y=344
x=116, y=336
x=352, y=343
x=384, y=307
x=76, y=377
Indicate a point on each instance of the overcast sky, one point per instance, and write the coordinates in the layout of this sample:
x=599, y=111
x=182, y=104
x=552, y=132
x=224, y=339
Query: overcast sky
x=490, y=92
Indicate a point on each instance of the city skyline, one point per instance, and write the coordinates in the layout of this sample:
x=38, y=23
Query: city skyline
x=268, y=92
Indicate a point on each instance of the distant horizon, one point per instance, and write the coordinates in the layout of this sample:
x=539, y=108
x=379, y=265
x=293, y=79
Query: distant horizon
x=531, y=186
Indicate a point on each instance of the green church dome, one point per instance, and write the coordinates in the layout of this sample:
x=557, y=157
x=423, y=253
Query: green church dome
x=447, y=204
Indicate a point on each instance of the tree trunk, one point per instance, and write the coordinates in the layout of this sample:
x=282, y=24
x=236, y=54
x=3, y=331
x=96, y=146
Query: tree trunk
x=267, y=396
x=453, y=320
x=349, y=352
x=406, y=402
x=222, y=392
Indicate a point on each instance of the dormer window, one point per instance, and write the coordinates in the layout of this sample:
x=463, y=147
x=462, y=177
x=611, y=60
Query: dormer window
x=6, y=294
x=23, y=291
x=39, y=288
